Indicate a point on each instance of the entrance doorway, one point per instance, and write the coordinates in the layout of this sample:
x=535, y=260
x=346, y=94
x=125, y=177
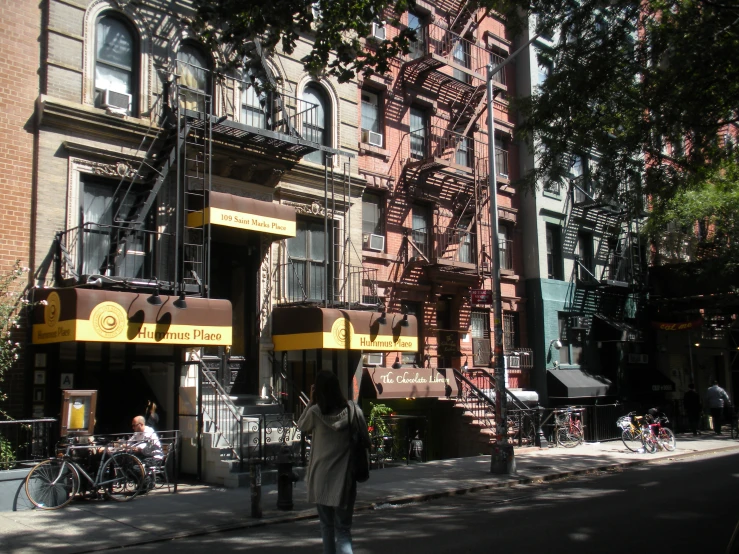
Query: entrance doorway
x=234, y=276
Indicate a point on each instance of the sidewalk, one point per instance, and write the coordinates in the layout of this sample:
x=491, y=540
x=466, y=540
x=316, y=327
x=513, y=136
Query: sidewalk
x=200, y=509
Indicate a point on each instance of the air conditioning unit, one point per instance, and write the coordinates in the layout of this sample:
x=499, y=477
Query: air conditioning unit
x=370, y=137
x=378, y=30
x=514, y=362
x=373, y=358
x=116, y=102
x=638, y=358
x=374, y=242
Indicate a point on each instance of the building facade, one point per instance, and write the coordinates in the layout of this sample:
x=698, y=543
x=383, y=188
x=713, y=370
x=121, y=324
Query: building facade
x=19, y=40
x=178, y=209
x=423, y=151
x=585, y=273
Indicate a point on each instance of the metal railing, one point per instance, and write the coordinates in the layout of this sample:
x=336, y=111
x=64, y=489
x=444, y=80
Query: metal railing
x=454, y=244
x=248, y=101
x=114, y=251
x=441, y=143
x=477, y=395
x=456, y=50
x=26, y=440
x=599, y=420
x=303, y=281
x=218, y=414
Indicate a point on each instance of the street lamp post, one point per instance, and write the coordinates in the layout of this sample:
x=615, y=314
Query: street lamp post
x=502, y=460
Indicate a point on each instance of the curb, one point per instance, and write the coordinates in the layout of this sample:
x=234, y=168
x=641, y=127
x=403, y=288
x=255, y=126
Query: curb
x=400, y=500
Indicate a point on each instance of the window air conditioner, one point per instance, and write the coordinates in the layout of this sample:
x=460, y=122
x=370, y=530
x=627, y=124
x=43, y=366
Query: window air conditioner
x=373, y=358
x=375, y=242
x=514, y=362
x=375, y=139
x=378, y=30
x=117, y=102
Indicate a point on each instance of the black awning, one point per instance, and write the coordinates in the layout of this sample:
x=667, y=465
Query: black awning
x=575, y=383
x=648, y=380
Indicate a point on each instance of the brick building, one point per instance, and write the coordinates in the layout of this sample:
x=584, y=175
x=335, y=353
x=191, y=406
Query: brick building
x=424, y=154
x=202, y=235
x=19, y=41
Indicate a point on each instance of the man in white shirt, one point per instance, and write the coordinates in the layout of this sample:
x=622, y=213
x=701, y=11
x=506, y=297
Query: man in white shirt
x=144, y=440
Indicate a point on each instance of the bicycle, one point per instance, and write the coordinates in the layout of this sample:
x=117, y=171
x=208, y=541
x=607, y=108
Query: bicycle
x=665, y=437
x=635, y=435
x=52, y=484
x=568, y=428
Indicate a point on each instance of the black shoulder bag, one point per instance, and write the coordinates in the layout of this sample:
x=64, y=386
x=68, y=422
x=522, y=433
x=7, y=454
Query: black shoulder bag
x=359, y=455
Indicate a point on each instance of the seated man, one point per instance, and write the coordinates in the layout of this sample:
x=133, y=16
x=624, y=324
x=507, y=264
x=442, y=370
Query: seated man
x=144, y=440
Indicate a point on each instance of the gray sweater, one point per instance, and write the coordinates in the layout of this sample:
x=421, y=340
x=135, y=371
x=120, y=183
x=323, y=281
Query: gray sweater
x=328, y=480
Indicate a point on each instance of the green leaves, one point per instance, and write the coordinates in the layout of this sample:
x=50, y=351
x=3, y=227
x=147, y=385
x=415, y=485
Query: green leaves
x=334, y=28
x=11, y=299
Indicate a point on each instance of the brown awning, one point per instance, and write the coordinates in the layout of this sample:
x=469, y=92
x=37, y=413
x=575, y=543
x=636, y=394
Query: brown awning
x=304, y=328
x=64, y=315
x=238, y=212
x=406, y=382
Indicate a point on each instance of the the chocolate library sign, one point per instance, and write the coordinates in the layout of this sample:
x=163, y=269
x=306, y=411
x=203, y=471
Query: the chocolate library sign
x=408, y=382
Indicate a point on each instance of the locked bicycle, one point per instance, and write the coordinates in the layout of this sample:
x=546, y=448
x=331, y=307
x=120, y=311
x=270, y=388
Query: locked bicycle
x=568, y=427
x=636, y=435
x=52, y=484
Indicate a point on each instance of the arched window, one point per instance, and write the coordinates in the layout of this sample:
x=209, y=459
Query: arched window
x=115, y=57
x=193, y=67
x=318, y=122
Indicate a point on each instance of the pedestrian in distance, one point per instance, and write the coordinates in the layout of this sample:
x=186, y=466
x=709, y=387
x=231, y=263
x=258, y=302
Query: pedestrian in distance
x=330, y=482
x=692, y=405
x=716, y=398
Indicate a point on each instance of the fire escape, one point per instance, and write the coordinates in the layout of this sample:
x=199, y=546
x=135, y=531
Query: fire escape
x=445, y=164
x=614, y=295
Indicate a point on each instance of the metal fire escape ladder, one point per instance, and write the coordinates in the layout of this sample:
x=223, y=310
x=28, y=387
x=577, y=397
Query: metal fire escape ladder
x=136, y=201
x=194, y=137
x=273, y=105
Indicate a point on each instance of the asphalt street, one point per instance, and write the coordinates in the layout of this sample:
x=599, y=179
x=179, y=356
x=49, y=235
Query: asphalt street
x=679, y=506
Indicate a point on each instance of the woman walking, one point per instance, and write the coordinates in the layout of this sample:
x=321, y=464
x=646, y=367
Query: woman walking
x=329, y=418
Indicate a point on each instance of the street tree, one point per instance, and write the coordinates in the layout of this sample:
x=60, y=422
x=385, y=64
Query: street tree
x=649, y=86
x=701, y=223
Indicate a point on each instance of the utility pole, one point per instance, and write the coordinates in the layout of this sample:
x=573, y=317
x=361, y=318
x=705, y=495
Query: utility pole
x=502, y=460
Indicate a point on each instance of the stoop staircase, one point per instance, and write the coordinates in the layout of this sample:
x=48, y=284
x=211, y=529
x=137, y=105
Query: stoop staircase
x=475, y=405
x=239, y=430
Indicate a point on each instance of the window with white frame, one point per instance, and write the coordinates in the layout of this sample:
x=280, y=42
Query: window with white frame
x=373, y=233
x=115, y=55
x=371, y=119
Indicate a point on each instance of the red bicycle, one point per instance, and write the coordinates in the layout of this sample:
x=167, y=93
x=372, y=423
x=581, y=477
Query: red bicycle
x=664, y=437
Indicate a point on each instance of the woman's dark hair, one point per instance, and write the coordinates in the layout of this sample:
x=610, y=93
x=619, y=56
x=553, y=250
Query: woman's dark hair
x=327, y=393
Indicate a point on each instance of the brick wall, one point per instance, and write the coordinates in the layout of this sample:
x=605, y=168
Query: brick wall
x=20, y=25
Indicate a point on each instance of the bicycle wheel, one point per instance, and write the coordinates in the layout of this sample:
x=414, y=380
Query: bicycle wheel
x=123, y=477
x=667, y=438
x=566, y=439
x=52, y=484
x=650, y=442
x=632, y=440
